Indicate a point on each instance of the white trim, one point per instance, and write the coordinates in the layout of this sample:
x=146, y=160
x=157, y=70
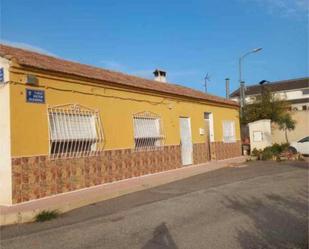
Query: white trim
x=211, y=127
x=5, y=64
x=5, y=138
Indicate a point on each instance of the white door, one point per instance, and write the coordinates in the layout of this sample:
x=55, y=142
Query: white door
x=186, y=141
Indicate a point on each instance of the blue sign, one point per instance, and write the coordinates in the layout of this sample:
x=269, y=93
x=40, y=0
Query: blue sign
x=1, y=74
x=35, y=96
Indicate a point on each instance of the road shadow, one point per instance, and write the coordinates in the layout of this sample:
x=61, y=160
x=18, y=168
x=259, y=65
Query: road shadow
x=161, y=239
x=278, y=222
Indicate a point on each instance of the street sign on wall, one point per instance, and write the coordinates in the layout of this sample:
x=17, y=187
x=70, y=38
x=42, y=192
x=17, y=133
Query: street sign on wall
x=1, y=74
x=35, y=96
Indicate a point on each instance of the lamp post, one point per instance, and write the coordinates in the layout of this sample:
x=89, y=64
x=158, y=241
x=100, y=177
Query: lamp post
x=241, y=82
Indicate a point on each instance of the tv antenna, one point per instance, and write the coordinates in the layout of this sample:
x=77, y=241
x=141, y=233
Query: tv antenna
x=206, y=81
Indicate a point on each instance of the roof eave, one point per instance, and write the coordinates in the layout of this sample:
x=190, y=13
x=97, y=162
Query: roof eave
x=216, y=102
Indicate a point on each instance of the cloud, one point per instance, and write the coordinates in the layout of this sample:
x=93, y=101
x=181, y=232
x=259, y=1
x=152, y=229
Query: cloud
x=27, y=46
x=286, y=8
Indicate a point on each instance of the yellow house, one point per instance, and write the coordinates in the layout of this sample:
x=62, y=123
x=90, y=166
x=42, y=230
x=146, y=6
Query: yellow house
x=66, y=126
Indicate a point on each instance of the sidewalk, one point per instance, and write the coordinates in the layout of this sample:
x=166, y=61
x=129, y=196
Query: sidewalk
x=25, y=212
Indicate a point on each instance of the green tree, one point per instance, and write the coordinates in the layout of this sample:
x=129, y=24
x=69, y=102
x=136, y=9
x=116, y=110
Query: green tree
x=286, y=123
x=267, y=106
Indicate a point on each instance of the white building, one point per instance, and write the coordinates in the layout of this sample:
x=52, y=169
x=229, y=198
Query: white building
x=296, y=92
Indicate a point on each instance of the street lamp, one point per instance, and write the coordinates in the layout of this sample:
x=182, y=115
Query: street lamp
x=241, y=82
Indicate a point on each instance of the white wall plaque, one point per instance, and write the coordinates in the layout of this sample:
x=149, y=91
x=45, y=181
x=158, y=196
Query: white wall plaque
x=257, y=136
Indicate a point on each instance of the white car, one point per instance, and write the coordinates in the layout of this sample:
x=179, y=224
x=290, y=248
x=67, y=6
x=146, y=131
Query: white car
x=301, y=146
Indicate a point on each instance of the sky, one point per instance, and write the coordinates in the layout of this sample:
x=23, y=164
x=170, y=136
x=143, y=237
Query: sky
x=187, y=39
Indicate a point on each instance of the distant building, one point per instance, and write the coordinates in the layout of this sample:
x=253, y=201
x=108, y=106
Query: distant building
x=296, y=91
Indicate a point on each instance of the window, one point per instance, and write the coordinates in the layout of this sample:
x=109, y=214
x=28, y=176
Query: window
x=74, y=131
x=304, y=107
x=148, y=133
x=229, y=131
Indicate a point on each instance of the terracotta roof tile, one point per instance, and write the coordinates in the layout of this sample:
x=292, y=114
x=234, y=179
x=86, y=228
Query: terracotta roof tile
x=276, y=86
x=45, y=62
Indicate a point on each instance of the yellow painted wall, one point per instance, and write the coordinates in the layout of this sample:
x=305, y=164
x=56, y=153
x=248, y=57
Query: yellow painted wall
x=116, y=106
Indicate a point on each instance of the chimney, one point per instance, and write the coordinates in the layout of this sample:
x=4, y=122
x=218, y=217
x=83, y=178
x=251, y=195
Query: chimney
x=227, y=88
x=159, y=75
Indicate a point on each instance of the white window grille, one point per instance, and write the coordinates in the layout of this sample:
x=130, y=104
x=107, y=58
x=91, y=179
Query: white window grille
x=74, y=131
x=229, y=131
x=148, y=132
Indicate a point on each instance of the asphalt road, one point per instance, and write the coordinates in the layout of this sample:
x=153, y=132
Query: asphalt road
x=258, y=205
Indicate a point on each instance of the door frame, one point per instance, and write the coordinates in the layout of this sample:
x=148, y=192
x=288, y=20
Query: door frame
x=190, y=130
x=207, y=137
x=210, y=132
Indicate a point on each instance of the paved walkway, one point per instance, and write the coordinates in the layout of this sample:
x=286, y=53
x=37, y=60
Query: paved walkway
x=25, y=212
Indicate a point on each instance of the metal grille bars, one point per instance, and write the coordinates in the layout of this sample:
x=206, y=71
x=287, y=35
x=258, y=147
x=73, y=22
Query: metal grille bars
x=74, y=131
x=229, y=131
x=148, y=131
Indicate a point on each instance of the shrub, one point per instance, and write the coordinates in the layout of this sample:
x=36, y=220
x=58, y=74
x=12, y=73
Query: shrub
x=267, y=153
x=276, y=148
x=285, y=146
x=279, y=148
x=46, y=215
x=270, y=152
x=256, y=152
